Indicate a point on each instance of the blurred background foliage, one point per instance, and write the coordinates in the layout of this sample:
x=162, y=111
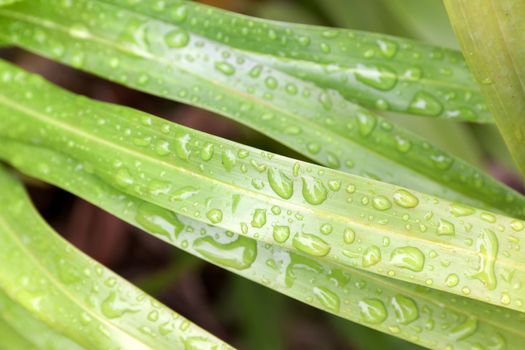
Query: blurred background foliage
x=239, y=311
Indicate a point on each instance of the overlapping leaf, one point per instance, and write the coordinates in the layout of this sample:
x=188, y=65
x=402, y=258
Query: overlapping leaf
x=339, y=218
x=73, y=295
x=492, y=34
x=184, y=57
x=431, y=318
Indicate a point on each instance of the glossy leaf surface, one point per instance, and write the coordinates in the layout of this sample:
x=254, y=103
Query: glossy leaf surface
x=419, y=314
x=74, y=295
x=303, y=207
x=138, y=47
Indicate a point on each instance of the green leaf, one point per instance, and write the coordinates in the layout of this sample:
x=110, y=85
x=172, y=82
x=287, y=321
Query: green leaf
x=419, y=314
x=378, y=71
x=303, y=207
x=492, y=34
x=7, y=2
x=76, y=296
x=16, y=321
x=131, y=49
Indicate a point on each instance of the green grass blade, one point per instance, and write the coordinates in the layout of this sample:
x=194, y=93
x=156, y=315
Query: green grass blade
x=75, y=295
x=407, y=235
x=316, y=122
x=27, y=331
x=492, y=34
x=421, y=315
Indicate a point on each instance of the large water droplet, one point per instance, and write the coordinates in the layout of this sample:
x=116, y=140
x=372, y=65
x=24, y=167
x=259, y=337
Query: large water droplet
x=177, y=38
x=425, y=104
x=112, y=307
x=405, y=199
x=366, y=121
x=157, y=220
x=405, y=308
x=372, y=310
x=410, y=258
x=225, y=68
x=182, y=143
x=311, y=244
x=371, y=256
x=314, y=191
x=381, y=203
x=487, y=246
x=259, y=218
x=465, y=329
x=446, y=228
x=214, y=215
x=327, y=298
x=281, y=233
x=280, y=183
x=239, y=254
x=379, y=77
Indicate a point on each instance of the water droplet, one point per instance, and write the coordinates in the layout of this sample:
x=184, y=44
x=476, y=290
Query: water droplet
x=381, y=203
x=311, y=244
x=228, y=160
x=410, y=258
x=112, y=307
x=280, y=183
x=124, y=178
x=259, y=218
x=366, y=122
x=405, y=308
x=371, y=256
x=517, y=225
x=487, y=246
x=452, y=280
x=179, y=13
x=425, y=104
x=159, y=221
x=225, y=67
x=281, y=233
x=405, y=199
x=446, y=228
x=327, y=298
x=326, y=229
x=465, y=329
x=387, y=48
x=379, y=77
x=239, y=254
x=458, y=209
x=214, y=215
x=314, y=191
x=177, y=38
x=207, y=152
x=372, y=310
x=271, y=83
x=182, y=143
x=349, y=235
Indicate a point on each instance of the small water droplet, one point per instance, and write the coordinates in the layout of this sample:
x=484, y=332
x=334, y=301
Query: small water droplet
x=371, y=256
x=311, y=244
x=425, y=104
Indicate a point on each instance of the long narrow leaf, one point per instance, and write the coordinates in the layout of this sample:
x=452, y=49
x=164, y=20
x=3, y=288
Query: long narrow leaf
x=303, y=207
x=30, y=333
x=492, y=34
x=421, y=315
x=135, y=48
x=75, y=295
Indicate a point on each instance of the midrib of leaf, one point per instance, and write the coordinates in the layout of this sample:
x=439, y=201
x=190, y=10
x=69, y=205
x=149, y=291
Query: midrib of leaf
x=12, y=233
x=14, y=149
x=412, y=169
